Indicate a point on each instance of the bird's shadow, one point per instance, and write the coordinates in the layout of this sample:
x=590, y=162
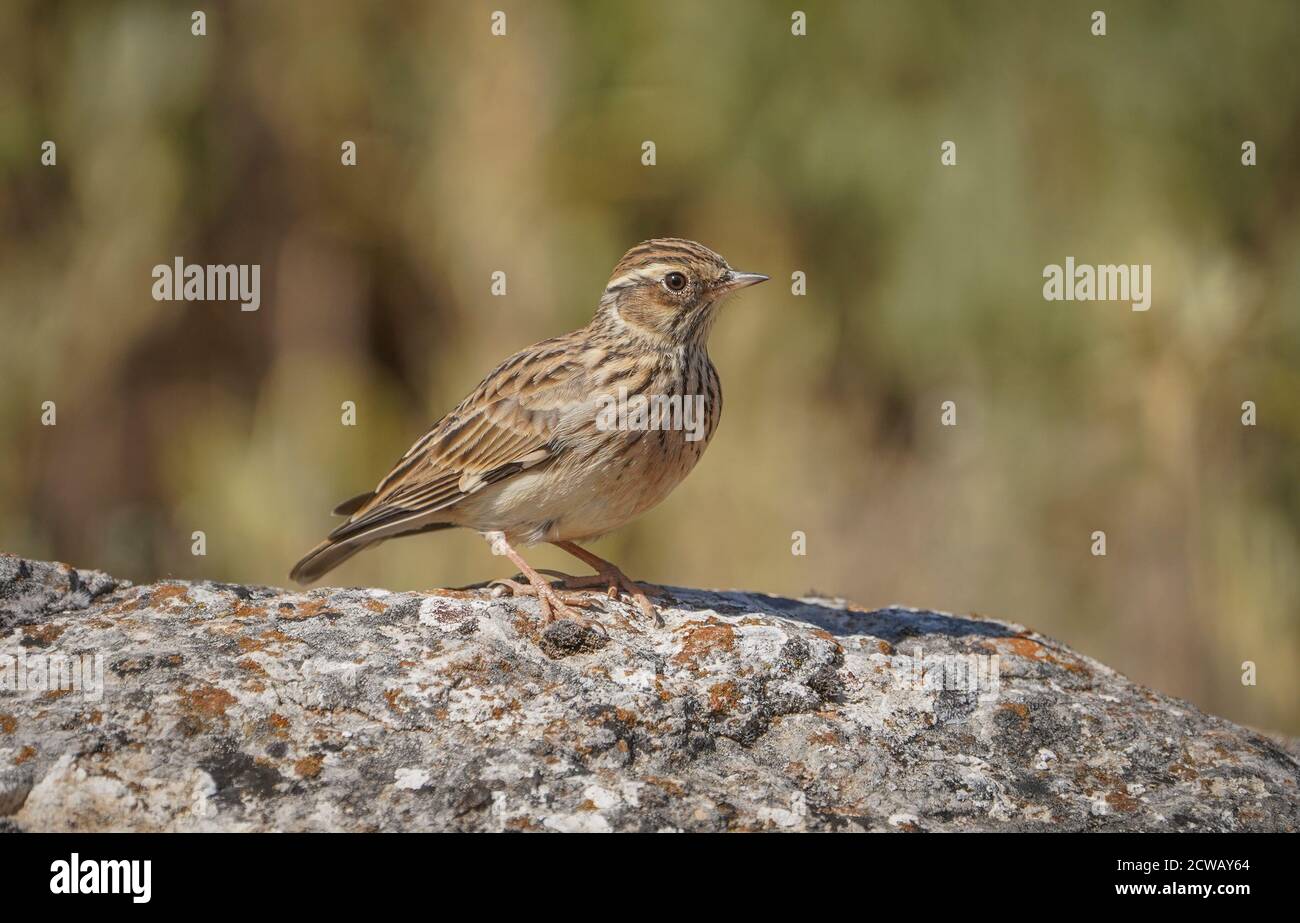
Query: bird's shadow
x=892, y=624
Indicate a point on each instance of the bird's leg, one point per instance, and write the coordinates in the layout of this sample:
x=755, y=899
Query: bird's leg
x=608, y=575
x=550, y=600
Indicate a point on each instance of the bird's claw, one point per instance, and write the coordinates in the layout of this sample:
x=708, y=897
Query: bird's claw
x=615, y=583
x=552, y=601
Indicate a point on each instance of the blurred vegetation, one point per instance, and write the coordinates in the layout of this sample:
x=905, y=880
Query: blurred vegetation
x=818, y=154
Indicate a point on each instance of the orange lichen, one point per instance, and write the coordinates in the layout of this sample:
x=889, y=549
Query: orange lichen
x=668, y=785
x=1030, y=649
x=395, y=700
x=500, y=711
x=243, y=610
x=723, y=697
x=704, y=640
x=265, y=640
x=207, y=700
x=43, y=635
x=1121, y=801
x=164, y=593
x=309, y=767
x=308, y=610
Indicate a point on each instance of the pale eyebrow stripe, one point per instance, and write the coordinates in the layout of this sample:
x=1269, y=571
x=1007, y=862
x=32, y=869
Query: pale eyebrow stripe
x=640, y=274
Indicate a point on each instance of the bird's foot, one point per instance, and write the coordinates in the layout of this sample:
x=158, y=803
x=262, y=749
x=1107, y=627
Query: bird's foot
x=615, y=581
x=554, y=602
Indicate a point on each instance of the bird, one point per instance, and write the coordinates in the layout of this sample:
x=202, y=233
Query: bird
x=555, y=445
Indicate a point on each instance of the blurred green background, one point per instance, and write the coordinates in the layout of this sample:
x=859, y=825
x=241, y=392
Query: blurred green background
x=821, y=154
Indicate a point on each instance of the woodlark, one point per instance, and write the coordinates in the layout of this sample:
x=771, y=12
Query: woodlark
x=562, y=443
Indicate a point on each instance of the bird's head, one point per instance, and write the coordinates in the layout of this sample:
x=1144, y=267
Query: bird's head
x=668, y=289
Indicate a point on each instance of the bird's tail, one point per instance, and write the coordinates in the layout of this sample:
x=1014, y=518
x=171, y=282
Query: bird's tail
x=332, y=552
x=322, y=559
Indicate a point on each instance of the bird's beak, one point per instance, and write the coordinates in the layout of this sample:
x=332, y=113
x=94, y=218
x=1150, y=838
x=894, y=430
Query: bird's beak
x=736, y=280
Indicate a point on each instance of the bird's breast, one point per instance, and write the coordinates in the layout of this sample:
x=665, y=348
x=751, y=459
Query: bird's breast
x=625, y=449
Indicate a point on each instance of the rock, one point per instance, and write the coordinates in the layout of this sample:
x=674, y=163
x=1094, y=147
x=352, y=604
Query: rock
x=227, y=707
x=30, y=592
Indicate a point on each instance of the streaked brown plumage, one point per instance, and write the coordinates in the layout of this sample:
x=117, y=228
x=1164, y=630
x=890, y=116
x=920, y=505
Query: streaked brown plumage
x=524, y=458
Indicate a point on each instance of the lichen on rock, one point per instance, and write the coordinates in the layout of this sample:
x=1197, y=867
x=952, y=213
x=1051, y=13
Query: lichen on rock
x=226, y=707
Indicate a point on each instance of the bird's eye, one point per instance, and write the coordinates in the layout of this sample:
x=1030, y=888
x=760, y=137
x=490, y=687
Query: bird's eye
x=676, y=281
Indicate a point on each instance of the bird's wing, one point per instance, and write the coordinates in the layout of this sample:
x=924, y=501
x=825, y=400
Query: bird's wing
x=509, y=423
